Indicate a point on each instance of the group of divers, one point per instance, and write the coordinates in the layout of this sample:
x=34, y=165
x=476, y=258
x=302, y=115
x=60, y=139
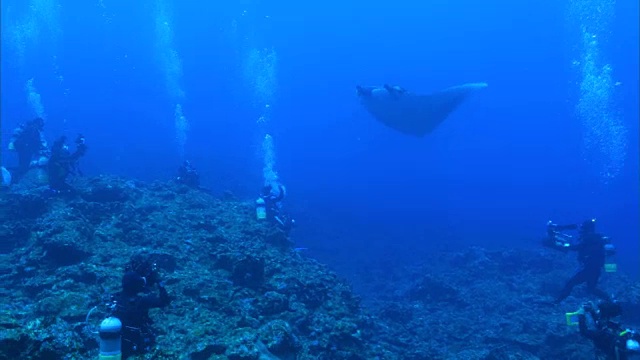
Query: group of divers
x=128, y=329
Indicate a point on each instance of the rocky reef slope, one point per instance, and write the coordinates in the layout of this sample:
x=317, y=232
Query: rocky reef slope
x=241, y=291
x=490, y=305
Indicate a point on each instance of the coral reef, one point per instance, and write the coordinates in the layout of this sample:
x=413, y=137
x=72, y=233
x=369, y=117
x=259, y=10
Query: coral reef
x=240, y=291
x=489, y=305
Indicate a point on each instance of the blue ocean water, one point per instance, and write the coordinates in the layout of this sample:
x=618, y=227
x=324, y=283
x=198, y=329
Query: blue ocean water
x=150, y=83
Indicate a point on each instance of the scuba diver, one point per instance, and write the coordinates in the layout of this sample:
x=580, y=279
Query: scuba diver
x=188, y=175
x=132, y=308
x=29, y=143
x=592, y=249
x=597, y=324
x=62, y=163
x=269, y=205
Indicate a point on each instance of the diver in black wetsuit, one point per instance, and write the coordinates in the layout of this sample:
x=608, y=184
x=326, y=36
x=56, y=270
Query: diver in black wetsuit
x=608, y=336
x=188, y=175
x=592, y=250
x=132, y=309
x=63, y=162
x=273, y=205
x=272, y=200
x=29, y=143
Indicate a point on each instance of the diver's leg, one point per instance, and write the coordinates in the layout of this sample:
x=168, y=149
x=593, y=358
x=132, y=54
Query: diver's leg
x=592, y=285
x=577, y=278
x=24, y=162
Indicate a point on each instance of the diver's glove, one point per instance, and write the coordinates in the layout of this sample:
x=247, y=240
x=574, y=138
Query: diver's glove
x=81, y=146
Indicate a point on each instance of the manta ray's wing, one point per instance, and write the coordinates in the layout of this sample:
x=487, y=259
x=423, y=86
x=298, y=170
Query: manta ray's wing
x=414, y=114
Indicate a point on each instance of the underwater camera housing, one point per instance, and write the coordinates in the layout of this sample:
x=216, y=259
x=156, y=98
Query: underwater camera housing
x=557, y=239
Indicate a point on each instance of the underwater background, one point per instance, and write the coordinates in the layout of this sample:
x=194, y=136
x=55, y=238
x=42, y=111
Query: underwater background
x=249, y=90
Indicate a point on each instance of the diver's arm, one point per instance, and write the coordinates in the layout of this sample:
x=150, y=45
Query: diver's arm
x=18, y=131
x=164, y=296
x=81, y=149
x=584, y=329
x=14, y=137
x=587, y=309
x=280, y=195
x=43, y=141
x=153, y=301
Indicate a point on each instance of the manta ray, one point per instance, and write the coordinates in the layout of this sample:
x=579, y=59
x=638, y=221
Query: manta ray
x=413, y=114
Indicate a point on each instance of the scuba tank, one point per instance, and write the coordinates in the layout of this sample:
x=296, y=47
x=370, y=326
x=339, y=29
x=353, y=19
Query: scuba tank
x=610, y=254
x=6, y=177
x=110, y=339
x=261, y=209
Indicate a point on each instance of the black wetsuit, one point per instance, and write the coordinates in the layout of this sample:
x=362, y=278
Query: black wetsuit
x=188, y=175
x=133, y=311
x=62, y=163
x=272, y=207
x=272, y=202
x=28, y=143
x=591, y=256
